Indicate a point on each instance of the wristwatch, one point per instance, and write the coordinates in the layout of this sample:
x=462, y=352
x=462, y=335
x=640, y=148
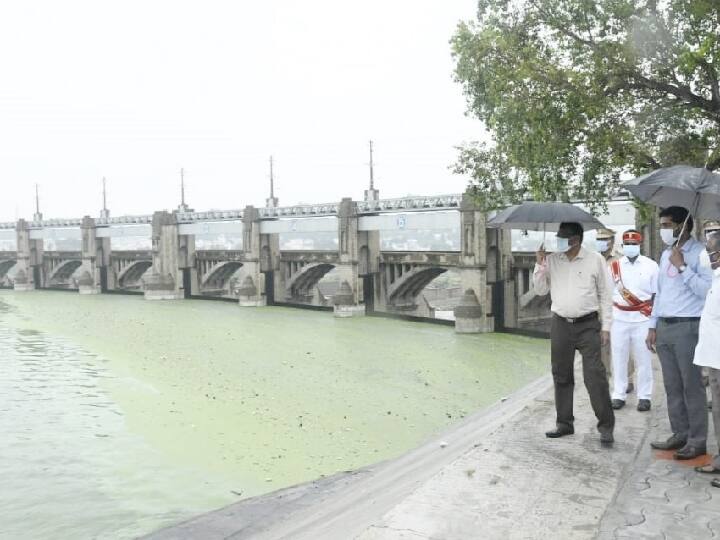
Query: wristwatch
x=682, y=268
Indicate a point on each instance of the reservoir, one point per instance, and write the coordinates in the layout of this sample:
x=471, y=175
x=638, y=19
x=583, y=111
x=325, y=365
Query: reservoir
x=120, y=416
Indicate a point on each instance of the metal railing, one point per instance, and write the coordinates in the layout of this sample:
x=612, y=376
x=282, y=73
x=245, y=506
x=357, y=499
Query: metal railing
x=400, y=204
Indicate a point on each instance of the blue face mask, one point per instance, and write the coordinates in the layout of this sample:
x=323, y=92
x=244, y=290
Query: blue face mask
x=602, y=245
x=631, y=251
x=563, y=244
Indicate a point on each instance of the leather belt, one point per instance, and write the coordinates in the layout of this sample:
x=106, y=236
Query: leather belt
x=572, y=320
x=673, y=320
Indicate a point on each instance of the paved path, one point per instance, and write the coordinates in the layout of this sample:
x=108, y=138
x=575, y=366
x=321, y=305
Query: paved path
x=497, y=477
x=521, y=485
x=662, y=498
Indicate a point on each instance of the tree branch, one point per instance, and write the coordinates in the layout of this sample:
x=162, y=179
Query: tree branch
x=713, y=80
x=643, y=157
x=682, y=92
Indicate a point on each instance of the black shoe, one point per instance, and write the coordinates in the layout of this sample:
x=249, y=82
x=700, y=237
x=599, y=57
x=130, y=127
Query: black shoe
x=560, y=431
x=689, y=452
x=618, y=404
x=643, y=405
x=630, y=388
x=606, y=438
x=672, y=443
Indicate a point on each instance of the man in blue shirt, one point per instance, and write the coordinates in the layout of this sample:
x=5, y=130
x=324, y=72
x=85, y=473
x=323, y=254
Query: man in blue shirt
x=683, y=284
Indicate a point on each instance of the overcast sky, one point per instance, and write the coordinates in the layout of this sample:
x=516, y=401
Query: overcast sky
x=135, y=90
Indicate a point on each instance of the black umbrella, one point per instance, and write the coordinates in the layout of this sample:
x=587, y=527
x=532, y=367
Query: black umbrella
x=543, y=216
x=694, y=188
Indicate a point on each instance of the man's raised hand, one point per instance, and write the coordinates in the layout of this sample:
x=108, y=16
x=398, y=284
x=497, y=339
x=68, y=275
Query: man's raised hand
x=540, y=254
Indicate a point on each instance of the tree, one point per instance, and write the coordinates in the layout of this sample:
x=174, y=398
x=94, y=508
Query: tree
x=577, y=93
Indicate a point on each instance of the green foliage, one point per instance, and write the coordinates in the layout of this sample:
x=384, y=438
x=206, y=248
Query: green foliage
x=578, y=93
x=644, y=211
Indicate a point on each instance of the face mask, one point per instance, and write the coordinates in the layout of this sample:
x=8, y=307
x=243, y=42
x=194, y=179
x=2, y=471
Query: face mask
x=602, y=245
x=563, y=244
x=631, y=251
x=704, y=260
x=668, y=236
x=716, y=272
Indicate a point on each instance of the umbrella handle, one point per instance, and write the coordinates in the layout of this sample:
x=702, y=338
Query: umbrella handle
x=692, y=210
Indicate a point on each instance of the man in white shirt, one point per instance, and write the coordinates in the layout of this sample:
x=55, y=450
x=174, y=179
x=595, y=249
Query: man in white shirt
x=581, y=295
x=605, y=245
x=707, y=352
x=635, y=279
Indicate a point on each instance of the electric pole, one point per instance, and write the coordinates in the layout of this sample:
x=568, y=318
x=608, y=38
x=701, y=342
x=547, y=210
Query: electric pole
x=272, y=201
x=38, y=216
x=183, y=207
x=104, y=213
x=372, y=194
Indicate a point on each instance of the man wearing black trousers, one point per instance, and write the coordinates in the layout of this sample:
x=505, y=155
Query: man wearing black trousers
x=581, y=293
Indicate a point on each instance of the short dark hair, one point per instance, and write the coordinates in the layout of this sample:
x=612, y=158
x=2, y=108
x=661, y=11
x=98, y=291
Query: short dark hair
x=572, y=228
x=678, y=215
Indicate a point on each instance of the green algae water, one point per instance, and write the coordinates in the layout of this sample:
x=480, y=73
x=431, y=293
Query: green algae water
x=120, y=416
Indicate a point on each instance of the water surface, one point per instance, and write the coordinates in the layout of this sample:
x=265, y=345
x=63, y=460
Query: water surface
x=121, y=415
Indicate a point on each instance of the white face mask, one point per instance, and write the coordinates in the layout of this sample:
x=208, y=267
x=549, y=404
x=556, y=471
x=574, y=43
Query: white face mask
x=563, y=244
x=602, y=245
x=716, y=272
x=631, y=251
x=668, y=236
x=703, y=260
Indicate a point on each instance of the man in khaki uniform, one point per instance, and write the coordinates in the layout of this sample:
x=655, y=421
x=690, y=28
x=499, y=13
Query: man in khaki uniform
x=605, y=239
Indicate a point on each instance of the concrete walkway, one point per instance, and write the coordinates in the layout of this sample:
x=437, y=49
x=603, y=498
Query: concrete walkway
x=496, y=476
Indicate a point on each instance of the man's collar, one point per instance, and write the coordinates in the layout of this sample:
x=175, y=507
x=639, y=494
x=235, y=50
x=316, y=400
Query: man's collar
x=580, y=254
